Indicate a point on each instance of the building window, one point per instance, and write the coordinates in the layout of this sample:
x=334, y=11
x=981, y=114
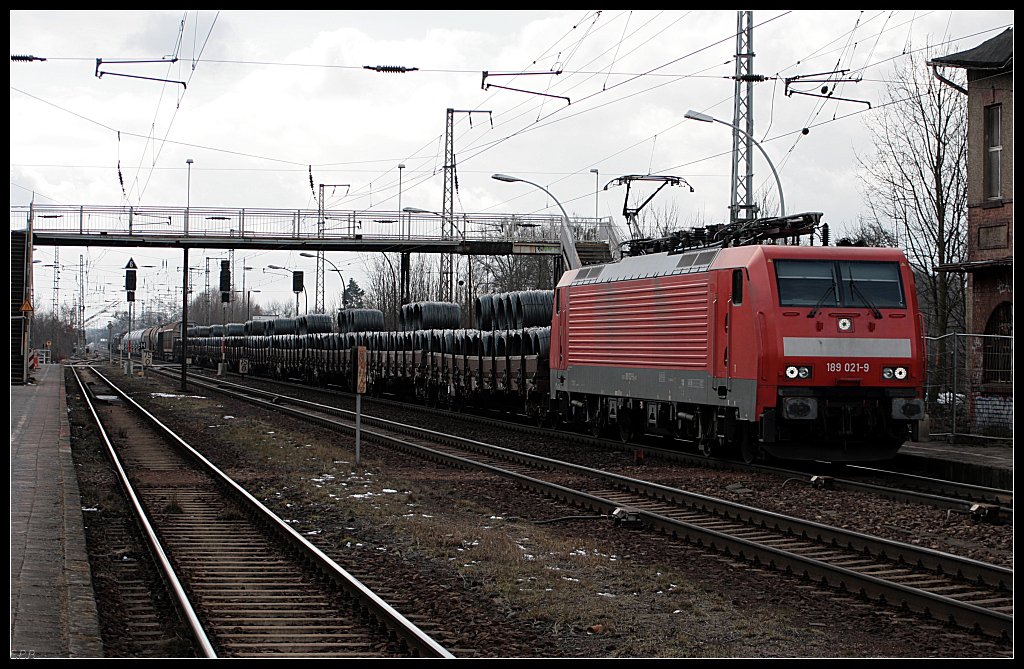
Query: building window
x=993, y=152
x=997, y=348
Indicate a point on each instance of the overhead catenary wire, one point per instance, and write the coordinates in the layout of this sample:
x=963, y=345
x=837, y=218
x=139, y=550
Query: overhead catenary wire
x=467, y=155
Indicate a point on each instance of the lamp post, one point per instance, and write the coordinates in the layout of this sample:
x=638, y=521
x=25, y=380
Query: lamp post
x=597, y=192
x=244, y=270
x=183, y=336
x=401, y=166
x=706, y=118
x=405, y=269
x=293, y=288
x=248, y=302
x=569, y=252
x=335, y=268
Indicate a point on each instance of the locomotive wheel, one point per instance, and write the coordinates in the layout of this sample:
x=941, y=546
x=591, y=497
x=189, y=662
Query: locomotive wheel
x=750, y=452
x=706, y=447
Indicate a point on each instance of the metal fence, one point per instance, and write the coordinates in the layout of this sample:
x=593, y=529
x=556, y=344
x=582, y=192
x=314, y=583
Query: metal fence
x=969, y=390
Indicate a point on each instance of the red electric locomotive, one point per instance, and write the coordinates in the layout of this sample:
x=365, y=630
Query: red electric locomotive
x=800, y=352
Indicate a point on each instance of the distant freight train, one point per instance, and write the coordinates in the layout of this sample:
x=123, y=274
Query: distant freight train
x=798, y=352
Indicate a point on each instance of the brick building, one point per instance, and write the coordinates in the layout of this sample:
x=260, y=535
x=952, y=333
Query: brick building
x=989, y=265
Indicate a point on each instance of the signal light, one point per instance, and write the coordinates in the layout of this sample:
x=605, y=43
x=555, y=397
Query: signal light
x=225, y=276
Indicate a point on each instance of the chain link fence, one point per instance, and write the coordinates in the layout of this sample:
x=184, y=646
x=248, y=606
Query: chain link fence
x=969, y=390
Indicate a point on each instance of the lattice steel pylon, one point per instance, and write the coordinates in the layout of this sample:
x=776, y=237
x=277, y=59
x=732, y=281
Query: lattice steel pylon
x=742, y=197
x=56, y=280
x=444, y=288
x=319, y=307
x=445, y=291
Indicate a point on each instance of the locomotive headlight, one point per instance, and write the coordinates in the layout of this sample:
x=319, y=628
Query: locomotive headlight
x=890, y=373
x=845, y=324
x=794, y=372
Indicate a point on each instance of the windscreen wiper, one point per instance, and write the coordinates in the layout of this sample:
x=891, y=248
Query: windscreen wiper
x=867, y=302
x=812, y=312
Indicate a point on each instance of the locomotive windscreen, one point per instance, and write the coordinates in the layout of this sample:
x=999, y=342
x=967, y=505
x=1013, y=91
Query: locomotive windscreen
x=840, y=283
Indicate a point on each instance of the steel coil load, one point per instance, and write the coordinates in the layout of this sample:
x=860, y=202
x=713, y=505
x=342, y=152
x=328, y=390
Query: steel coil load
x=256, y=327
x=516, y=343
x=360, y=320
x=501, y=308
x=434, y=341
x=471, y=342
x=432, y=316
x=234, y=330
x=216, y=331
x=318, y=323
x=284, y=326
x=500, y=348
x=485, y=344
x=484, y=309
x=464, y=342
x=532, y=308
x=541, y=344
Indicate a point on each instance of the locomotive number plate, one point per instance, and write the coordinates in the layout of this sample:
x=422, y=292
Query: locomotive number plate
x=846, y=367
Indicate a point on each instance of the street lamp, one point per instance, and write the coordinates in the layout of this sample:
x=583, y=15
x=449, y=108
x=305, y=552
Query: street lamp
x=184, y=285
x=333, y=266
x=572, y=258
x=597, y=191
x=415, y=210
x=293, y=286
x=706, y=118
x=248, y=302
x=401, y=166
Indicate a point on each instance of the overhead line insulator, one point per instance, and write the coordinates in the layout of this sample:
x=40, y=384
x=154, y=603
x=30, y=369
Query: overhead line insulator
x=391, y=69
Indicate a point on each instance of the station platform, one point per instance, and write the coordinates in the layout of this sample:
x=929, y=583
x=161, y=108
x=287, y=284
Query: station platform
x=989, y=465
x=53, y=608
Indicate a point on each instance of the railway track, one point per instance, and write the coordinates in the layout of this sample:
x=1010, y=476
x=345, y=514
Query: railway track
x=247, y=584
x=982, y=503
x=968, y=593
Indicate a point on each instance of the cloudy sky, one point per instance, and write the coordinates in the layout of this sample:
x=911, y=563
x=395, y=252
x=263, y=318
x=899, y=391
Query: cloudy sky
x=270, y=96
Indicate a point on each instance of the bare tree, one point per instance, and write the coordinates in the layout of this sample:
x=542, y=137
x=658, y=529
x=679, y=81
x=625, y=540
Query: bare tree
x=915, y=184
x=658, y=219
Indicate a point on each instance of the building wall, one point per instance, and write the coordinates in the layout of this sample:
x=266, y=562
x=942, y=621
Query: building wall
x=989, y=221
x=990, y=236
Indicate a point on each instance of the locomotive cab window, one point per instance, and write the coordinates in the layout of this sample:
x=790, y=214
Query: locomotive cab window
x=841, y=283
x=805, y=283
x=737, y=286
x=867, y=284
